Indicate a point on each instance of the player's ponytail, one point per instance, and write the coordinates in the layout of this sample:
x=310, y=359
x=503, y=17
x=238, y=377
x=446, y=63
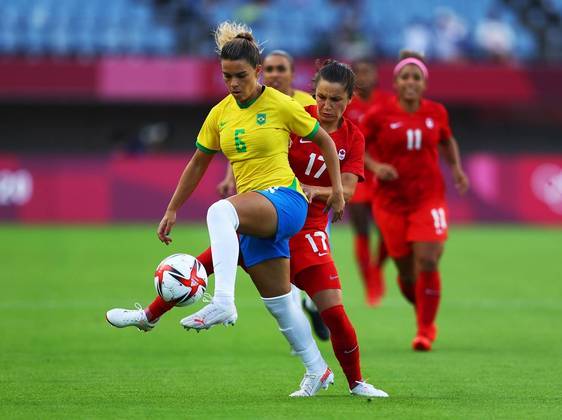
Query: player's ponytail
x=336, y=72
x=235, y=41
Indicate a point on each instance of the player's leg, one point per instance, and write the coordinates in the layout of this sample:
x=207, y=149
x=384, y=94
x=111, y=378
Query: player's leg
x=276, y=296
x=406, y=268
x=322, y=283
x=428, y=291
x=427, y=232
x=360, y=218
x=393, y=227
x=249, y=214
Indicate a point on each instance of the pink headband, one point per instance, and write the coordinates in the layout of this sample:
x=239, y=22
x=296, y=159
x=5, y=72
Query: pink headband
x=411, y=60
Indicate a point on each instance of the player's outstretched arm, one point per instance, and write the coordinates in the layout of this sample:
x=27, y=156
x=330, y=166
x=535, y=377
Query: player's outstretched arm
x=335, y=201
x=450, y=152
x=189, y=180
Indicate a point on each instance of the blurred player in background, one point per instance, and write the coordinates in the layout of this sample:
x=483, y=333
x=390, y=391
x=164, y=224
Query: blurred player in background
x=313, y=269
x=407, y=133
x=252, y=127
x=279, y=73
x=366, y=95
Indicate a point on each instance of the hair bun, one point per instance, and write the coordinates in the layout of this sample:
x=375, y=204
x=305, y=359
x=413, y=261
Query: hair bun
x=245, y=35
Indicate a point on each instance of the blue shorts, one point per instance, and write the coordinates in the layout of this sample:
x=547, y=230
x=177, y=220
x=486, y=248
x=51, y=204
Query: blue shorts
x=291, y=207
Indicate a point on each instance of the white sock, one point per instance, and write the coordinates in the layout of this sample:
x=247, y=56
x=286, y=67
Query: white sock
x=222, y=222
x=296, y=293
x=296, y=329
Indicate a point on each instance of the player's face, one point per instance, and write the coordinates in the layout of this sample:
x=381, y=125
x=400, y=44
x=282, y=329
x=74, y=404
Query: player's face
x=410, y=83
x=240, y=78
x=365, y=76
x=277, y=73
x=332, y=99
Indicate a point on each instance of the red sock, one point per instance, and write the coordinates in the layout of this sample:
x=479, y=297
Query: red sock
x=428, y=295
x=206, y=258
x=408, y=290
x=363, y=256
x=382, y=252
x=157, y=308
x=344, y=342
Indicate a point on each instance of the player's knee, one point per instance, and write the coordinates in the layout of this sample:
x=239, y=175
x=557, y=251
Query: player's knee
x=427, y=262
x=224, y=211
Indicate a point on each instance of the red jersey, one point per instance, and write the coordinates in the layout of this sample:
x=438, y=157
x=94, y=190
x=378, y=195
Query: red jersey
x=307, y=162
x=355, y=111
x=358, y=107
x=409, y=143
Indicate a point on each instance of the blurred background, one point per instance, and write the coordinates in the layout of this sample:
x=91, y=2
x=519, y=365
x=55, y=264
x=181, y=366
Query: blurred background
x=101, y=101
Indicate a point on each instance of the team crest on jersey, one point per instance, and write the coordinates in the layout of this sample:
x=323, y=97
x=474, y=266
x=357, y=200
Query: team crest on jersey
x=429, y=122
x=341, y=154
x=260, y=119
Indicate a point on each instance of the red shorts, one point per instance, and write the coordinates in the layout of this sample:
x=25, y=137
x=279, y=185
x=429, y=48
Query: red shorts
x=309, y=247
x=317, y=278
x=428, y=223
x=363, y=192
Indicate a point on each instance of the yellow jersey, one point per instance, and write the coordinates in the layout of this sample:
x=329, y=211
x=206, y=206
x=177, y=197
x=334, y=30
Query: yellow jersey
x=255, y=138
x=303, y=98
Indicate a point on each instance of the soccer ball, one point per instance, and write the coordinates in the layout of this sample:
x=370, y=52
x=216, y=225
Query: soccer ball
x=181, y=279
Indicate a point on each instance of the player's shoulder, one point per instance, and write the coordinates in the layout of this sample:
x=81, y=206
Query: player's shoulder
x=303, y=98
x=279, y=99
x=434, y=107
x=350, y=126
x=224, y=105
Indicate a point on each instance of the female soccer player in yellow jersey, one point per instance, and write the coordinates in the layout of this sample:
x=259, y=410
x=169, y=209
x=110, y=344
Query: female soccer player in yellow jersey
x=251, y=126
x=279, y=72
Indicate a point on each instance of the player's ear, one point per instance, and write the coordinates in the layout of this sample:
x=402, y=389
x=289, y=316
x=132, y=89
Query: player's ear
x=258, y=70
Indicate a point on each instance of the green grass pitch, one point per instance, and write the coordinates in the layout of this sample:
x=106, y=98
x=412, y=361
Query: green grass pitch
x=498, y=354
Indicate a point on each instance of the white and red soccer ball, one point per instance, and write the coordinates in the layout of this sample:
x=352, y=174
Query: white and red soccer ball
x=180, y=278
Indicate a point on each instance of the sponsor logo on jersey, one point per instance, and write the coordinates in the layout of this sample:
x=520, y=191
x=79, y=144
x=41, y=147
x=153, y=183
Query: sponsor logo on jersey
x=429, y=123
x=395, y=125
x=221, y=125
x=260, y=118
x=303, y=141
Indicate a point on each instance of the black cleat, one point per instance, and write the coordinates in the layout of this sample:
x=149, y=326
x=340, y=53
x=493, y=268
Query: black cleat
x=320, y=329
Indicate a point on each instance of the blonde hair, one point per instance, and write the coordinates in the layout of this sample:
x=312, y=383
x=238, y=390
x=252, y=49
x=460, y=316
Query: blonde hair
x=228, y=31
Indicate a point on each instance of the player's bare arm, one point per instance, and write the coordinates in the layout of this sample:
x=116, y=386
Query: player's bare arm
x=189, y=180
x=349, y=182
x=450, y=152
x=227, y=186
x=336, y=201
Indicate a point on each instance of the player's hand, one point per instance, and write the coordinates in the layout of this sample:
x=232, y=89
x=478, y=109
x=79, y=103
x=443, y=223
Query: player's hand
x=336, y=202
x=461, y=180
x=226, y=187
x=309, y=191
x=386, y=172
x=165, y=226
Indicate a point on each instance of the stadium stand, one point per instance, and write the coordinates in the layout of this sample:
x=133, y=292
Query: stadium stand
x=447, y=30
